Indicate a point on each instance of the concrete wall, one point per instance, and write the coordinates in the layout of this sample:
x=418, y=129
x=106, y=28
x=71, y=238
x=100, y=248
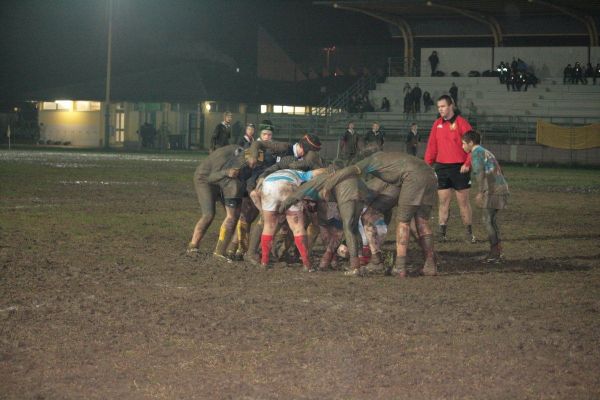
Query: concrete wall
x=595, y=55
x=526, y=154
x=547, y=62
x=462, y=60
x=81, y=128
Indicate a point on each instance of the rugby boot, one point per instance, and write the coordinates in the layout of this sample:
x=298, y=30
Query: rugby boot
x=192, y=251
x=376, y=264
x=429, y=268
x=495, y=256
x=252, y=258
x=355, y=268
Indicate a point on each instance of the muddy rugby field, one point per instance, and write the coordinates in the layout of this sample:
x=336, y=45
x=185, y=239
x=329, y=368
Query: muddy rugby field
x=98, y=300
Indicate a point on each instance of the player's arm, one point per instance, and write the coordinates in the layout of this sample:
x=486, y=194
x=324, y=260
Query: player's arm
x=308, y=189
x=431, y=150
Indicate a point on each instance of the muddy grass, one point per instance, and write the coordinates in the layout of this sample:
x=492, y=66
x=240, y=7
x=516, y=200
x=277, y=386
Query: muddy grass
x=97, y=300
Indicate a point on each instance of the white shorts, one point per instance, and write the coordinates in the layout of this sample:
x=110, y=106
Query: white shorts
x=275, y=192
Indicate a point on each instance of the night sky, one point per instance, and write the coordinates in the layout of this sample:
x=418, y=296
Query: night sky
x=53, y=43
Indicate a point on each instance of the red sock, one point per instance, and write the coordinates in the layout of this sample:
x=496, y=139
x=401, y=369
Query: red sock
x=302, y=248
x=266, y=242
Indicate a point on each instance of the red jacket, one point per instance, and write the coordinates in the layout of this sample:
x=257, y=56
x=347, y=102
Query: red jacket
x=445, y=144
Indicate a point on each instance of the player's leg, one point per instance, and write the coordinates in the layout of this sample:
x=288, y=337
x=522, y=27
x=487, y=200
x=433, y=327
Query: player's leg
x=266, y=239
x=295, y=219
x=444, y=197
x=466, y=213
x=227, y=230
x=207, y=197
x=350, y=214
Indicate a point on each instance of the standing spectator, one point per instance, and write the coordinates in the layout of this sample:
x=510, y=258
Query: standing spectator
x=407, y=100
x=148, y=134
x=248, y=137
x=577, y=74
x=454, y=93
x=427, y=101
x=568, y=74
x=222, y=132
x=412, y=139
x=349, y=143
x=596, y=72
x=589, y=72
x=514, y=65
x=375, y=135
x=367, y=106
x=434, y=61
x=502, y=72
x=416, y=98
x=385, y=104
x=511, y=81
x=452, y=165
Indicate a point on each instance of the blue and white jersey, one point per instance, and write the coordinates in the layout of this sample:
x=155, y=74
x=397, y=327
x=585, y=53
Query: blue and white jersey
x=293, y=176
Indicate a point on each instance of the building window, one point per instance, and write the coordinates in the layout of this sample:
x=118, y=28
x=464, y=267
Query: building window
x=48, y=105
x=278, y=109
x=263, y=109
x=120, y=126
x=299, y=110
x=87, y=106
x=64, y=105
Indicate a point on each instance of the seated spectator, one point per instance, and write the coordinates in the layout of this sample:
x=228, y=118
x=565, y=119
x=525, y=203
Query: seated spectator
x=427, y=101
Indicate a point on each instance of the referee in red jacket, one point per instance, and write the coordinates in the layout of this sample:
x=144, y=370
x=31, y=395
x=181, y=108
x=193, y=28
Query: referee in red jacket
x=452, y=165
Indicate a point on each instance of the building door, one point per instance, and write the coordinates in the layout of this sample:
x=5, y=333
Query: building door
x=120, y=126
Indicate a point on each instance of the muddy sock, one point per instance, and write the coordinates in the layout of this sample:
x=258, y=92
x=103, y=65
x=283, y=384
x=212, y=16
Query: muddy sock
x=254, y=240
x=443, y=229
x=266, y=241
x=469, y=229
x=426, y=242
x=301, y=244
x=224, y=238
x=242, y=236
x=400, y=264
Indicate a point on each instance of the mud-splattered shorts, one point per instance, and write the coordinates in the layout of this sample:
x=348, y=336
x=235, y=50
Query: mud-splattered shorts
x=275, y=192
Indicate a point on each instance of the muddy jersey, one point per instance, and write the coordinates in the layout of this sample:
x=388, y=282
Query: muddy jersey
x=294, y=177
x=214, y=167
x=395, y=168
x=286, y=156
x=382, y=195
x=490, y=181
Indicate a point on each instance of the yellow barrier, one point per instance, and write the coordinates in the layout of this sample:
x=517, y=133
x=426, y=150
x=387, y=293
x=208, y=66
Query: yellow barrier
x=575, y=138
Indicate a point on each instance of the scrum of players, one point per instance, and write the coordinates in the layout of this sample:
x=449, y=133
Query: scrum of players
x=279, y=197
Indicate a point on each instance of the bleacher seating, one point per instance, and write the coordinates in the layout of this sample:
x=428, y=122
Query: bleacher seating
x=496, y=108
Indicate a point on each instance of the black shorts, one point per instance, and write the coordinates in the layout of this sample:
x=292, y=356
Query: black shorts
x=449, y=177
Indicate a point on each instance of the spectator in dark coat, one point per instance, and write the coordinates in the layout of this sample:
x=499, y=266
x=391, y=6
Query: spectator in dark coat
x=454, y=93
x=416, y=98
x=222, y=133
x=433, y=61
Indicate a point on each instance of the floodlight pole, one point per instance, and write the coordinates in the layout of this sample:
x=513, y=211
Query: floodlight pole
x=108, y=64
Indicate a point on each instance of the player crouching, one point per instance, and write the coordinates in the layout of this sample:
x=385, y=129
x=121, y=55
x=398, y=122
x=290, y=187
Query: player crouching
x=275, y=190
